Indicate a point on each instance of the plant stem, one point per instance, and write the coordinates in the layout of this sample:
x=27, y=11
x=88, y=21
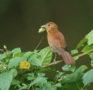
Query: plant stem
x=39, y=43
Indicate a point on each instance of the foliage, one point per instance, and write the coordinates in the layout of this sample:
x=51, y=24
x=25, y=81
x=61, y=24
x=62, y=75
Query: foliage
x=27, y=70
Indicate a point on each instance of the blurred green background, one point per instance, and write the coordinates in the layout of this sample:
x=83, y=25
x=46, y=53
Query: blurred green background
x=21, y=19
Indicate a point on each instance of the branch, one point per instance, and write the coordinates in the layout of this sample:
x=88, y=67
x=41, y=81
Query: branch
x=53, y=63
x=56, y=62
x=82, y=54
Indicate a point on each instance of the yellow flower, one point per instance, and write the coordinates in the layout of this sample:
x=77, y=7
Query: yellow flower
x=24, y=65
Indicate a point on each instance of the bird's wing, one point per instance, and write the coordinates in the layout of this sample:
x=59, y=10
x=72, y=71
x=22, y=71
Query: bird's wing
x=57, y=42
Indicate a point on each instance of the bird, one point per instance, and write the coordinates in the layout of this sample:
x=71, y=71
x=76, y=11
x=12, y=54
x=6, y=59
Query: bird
x=57, y=42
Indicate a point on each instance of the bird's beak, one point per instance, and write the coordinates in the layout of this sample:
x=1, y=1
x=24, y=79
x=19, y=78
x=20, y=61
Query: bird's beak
x=42, y=29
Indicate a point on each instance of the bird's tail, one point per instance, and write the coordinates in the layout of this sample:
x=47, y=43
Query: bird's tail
x=68, y=59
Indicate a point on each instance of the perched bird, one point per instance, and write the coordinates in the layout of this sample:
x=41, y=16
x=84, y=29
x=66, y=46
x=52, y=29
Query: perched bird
x=57, y=42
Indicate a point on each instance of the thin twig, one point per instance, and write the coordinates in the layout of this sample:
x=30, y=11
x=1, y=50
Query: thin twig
x=53, y=63
x=82, y=54
x=39, y=43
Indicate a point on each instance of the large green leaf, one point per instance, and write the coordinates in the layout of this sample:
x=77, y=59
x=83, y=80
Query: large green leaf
x=15, y=61
x=89, y=36
x=5, y=80
x=46, y=55
x=88, y=77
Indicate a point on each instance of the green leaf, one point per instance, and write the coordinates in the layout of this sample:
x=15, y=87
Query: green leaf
x=48, y=69
x=81, y=69
x=74, y=52
x=81, y=43
x=34, y=60
x=89, y=36
x=48, y=86
x=73, y=86
x=23, y=86
x=66, y=67
x=15, y=82
x=76, y=57
x=58, y=85
x=38, y=80
x=2, y=56
x=92, y=62
x=5, y=80
x=77, y=75
x=14, y=72
x=87, y=48
x=91, y=55
x=14, y=62
x=69, y=68
x=46, y=55
x=27, y=54
x=88, y=77
x=30, y=76
x=16, y=50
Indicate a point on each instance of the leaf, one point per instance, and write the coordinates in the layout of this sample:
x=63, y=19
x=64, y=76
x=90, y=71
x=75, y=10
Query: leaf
x=48, y=86
x=92, y=62
x=66, y=67
x=30, y=76
x=88, y=77
x=76, y=57
x=2, y=56
x=14, y=72
x=73, y=86
x=69, y=68
x=15, y=82
x=81, y=69
x=77, y=75
x=74, y=52
x=27, y=54
x=38, y=80
x=81, y=43
x=16, y=50
x=5, y=80
x=23, y=86
x=46, y=55
x=24, y=65
x=33, y=60
x=48, y=69
x=87, y=48
x=89, y=36
x=91, y=55
x=14, y=62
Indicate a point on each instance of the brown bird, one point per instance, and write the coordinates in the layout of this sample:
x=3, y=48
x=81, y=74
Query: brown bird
x=57, y=42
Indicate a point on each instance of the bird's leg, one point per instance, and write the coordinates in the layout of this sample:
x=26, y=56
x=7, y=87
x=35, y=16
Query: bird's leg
x=55, y=58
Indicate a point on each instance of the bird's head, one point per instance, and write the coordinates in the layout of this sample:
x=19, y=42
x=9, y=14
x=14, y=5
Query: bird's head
x=49, y=27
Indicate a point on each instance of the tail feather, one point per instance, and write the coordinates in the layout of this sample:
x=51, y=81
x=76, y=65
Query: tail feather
x=68, y=59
